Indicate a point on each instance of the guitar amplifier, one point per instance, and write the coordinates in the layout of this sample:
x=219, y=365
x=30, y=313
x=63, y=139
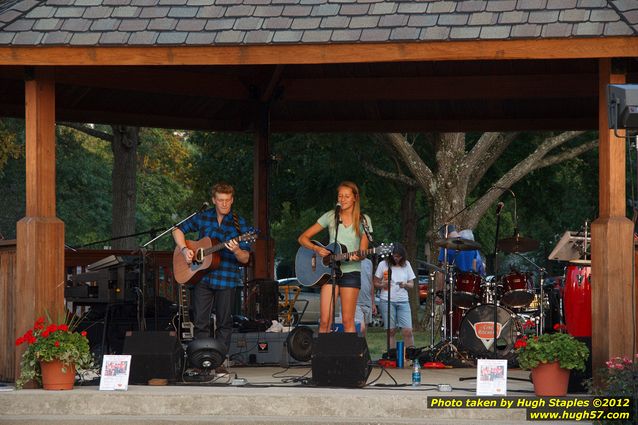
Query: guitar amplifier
x=260, y=348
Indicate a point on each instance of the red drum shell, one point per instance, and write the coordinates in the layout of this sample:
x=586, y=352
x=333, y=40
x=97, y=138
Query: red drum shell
x=577, y=300
x=517, y=290
x=467, y=289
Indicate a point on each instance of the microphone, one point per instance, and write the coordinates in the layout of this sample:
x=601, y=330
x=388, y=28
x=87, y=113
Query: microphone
x=204, y=207
x=337, y=208
x=499, y=207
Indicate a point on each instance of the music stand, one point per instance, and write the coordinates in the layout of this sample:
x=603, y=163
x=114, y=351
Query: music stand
x=572, y=245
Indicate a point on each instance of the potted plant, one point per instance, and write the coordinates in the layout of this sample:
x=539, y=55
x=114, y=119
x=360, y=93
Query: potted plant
x=53, y=353
x=551, y=357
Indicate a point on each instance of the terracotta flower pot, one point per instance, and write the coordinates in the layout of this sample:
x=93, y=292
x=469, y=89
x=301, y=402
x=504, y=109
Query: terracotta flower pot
x=56, y=376
x=550, y=379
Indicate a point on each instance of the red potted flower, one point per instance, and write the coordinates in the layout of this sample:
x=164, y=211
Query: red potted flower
x=556, y=354
x=53, y=348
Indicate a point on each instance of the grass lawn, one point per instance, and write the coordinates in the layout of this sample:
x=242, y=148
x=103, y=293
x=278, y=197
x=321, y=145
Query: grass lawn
x=377, y=340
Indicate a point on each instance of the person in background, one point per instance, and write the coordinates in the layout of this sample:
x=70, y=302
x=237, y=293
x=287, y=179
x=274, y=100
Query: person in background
x=470, y=261
x=402, y=279
x=351, y=233
x=365, y=302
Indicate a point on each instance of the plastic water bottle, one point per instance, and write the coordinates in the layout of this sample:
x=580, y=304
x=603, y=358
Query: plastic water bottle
x=416, y=373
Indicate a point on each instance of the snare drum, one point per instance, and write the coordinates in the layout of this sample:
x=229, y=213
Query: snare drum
x=517, y=290
x=467, y=289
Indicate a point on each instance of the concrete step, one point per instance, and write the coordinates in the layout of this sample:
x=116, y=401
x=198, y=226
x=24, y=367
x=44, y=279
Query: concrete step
x=243, y=420
x=273, y=396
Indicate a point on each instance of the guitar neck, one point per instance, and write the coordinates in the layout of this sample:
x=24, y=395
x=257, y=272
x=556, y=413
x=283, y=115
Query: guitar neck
x=184, y=304
x=347, y=255
x=219, y=246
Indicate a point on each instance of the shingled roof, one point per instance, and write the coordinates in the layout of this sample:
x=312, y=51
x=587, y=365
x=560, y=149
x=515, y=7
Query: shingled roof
x=237, y=22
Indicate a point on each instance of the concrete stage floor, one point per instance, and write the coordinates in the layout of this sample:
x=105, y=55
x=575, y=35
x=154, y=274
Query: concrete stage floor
x=272, y=395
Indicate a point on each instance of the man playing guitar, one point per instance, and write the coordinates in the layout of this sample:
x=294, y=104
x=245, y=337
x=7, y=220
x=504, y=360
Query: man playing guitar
x=217, y=287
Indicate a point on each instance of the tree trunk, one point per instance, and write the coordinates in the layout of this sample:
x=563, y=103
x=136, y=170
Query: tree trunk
x=124, y=146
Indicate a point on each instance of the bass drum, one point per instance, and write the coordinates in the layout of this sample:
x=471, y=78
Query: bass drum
x=477, y=331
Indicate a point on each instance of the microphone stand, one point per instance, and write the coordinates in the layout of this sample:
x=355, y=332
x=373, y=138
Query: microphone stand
x=541, y=274
x=333, y=272
x=495, y=269
x=143, y=255
x=387, y=326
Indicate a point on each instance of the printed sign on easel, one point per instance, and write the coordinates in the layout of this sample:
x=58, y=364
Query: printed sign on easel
x=491, y=377
x=115, y=372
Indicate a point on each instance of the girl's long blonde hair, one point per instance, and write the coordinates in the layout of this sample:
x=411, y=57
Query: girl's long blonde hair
x=356, y=209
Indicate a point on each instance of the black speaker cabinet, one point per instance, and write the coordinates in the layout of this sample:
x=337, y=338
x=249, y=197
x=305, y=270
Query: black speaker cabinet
x=154, y=354
x=340, y=360
x=576, y=377
x=262, y=299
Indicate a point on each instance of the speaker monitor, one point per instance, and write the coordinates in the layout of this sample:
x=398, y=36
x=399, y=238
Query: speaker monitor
x=154, y=354
x=340, y=360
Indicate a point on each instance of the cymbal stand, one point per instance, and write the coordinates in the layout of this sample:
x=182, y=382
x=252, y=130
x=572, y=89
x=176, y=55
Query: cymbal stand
x=541, y=274
x=449, y=292
x=432, y=307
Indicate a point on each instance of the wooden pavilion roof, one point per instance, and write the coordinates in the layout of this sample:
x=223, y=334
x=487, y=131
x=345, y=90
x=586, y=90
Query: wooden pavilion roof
x=320, y=65
x=205, y=22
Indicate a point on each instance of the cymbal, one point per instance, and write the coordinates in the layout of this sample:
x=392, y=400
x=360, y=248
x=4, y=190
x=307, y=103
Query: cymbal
x=458, y=244
x=583, y=262
x=517, y=244
x=430, y=266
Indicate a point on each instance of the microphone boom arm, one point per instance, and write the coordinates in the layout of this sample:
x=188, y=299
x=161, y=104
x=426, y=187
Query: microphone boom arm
x=174, y=226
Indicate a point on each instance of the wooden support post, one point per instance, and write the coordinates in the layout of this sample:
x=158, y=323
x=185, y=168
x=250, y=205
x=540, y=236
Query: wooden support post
x=263, y=252
x=40, y=235
x=612, y=239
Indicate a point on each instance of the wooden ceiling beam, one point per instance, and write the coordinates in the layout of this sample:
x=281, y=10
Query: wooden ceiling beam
x=319, y=126
x=415, y=125
x=566, y=48
x=147, y=80
x=149, y=120
x=441, y=87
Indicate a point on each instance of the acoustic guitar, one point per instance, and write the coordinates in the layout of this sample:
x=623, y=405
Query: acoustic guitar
x=314, y=270
x=207, y=257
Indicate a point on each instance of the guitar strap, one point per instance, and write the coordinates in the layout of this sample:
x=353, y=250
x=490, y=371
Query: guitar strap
x=366, y=228
x=236, y=223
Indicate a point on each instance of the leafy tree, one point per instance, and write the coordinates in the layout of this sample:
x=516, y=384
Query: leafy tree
x=124, y=141
x=83, y=187
x=11, y=140
x=164, y=181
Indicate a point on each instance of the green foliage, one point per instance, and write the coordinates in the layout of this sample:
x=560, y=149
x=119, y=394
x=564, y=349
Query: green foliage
x=619, y=378
x=51, y=341
x=561, y=347
x=11, y=140
x=222, y=157
x=83, y=186
x=164, y=182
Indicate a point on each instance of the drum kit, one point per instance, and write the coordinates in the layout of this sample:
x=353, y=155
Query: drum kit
x=484, y=315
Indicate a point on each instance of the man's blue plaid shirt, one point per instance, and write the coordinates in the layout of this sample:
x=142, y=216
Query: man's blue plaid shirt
x=205, y=223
